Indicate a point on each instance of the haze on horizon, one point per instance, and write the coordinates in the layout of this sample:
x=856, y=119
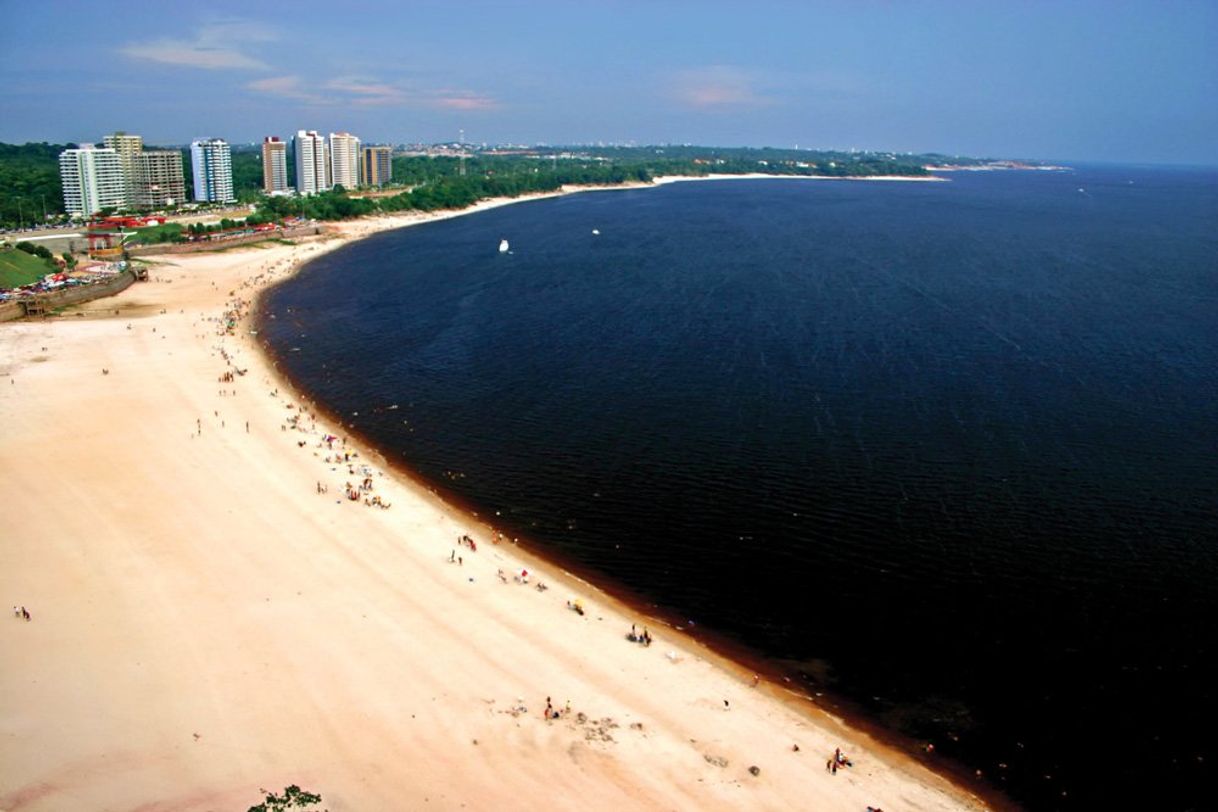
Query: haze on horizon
x=1091, y=80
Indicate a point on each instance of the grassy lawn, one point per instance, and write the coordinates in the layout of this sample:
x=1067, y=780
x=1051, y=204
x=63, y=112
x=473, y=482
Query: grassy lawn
x=19, y=268
x=150, y=235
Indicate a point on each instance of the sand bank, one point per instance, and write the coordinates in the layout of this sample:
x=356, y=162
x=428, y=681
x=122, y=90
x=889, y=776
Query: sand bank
x=205, y=622
x=764, y=176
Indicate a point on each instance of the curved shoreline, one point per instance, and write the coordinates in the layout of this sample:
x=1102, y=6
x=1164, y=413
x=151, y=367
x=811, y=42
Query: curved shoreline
x=294, y=537
x=823, y=705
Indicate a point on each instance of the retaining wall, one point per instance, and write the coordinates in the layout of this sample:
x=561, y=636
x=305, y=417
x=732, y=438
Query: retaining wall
x=55, y=299
x=212, y=245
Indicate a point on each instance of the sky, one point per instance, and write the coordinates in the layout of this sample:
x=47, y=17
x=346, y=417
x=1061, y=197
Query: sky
x=1103, y=81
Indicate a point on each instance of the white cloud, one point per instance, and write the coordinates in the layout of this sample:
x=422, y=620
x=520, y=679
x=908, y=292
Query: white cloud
x=288, y=87
x=359, y=91
x=467, y=100
x=718, y=87
x=367, y=92
x=214, y=47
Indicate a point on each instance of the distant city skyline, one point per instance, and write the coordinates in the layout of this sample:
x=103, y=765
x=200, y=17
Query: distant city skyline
x=1106, y=81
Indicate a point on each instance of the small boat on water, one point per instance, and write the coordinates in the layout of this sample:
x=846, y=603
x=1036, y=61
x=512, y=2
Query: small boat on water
x=503, y=246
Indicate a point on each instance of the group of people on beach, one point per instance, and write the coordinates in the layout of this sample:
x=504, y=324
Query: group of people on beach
x=839, y=760
x=21, y=612
x=551, y=713
x=642, y=638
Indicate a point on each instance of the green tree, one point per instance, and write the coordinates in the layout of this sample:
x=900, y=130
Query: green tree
x=36, y=250
x=29, y=183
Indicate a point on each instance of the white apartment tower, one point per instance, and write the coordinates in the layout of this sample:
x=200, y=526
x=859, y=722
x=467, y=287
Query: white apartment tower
x=344, y=160
x=274, y=166
x=92, y=180
x=212, y=168
x=312, y=163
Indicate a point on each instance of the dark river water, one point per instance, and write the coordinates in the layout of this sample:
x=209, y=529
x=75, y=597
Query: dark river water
x=946, y=453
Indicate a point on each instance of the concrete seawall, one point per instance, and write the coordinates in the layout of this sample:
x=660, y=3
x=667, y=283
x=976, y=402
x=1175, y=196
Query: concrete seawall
x=53, y=300
x=214, y=245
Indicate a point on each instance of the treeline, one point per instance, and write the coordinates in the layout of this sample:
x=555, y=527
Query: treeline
x=29, y=175
x=444, y=191
x=29, y=183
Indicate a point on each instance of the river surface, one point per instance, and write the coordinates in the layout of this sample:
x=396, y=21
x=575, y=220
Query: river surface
x=944, y=453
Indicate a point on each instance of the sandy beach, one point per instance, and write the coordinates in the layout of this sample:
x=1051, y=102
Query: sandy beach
x=210, y=613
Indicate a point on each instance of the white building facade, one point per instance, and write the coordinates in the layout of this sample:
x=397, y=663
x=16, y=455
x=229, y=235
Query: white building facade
x=211, y=164
x=92, y=180
x=344, y=160
x=312, y=158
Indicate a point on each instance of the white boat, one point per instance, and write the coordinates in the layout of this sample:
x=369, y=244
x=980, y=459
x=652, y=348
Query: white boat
x=503, y=246
x=596, y=231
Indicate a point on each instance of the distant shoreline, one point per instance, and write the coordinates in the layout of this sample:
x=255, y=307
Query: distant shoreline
x=664, y=179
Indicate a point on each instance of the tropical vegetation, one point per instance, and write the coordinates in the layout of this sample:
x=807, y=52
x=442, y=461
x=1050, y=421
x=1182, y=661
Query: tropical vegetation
x=30, y=186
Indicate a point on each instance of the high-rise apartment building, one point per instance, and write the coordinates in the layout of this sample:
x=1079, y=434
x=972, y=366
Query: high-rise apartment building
x=160, y=181
x=128, y=148
x=344, y=160
x=212, y=170
x=92, y=180
x=274, y=165
x=376, y=166
x=312, y=163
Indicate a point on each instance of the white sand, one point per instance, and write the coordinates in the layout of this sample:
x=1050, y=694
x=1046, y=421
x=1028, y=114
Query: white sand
x=204, y=623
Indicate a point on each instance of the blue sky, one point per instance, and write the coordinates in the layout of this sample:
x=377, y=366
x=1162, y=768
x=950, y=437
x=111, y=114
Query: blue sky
x=1116, y=81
